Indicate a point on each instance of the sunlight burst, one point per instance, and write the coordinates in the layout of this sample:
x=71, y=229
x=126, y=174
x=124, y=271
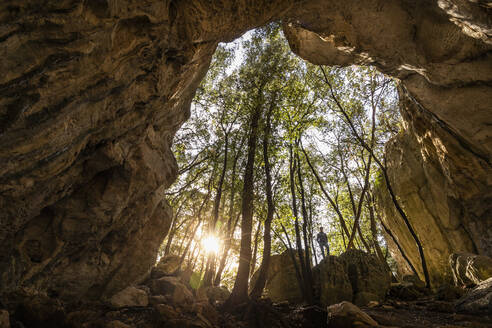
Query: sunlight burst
x=211, y=244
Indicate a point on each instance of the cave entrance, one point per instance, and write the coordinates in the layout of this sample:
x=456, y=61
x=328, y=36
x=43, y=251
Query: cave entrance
x=313, y=129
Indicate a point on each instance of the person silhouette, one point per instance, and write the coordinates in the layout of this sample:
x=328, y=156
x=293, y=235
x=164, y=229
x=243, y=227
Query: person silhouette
x=322, y=240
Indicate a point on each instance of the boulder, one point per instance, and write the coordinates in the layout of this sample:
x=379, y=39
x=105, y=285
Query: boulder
x=158, y=299
x=87, y=121
x=117, y=324
x=217, y=294
x=130, y=296
x=40, y=308
x=212, y=294
x=207, y=311
x=167, y=266
x=281, y=284
x=347, y=315
x=470, y=269
x=332, y=281
x=449, y=293
x=414, y=280
x=367, y=275
x=166, y=311
x=406, y=291
x=4, y=319
x=178, y=293
x=478, y=300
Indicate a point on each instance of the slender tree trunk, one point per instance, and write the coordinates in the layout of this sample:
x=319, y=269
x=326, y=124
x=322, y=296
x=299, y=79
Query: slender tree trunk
x=363, y=240
x=308, y=274
x=210, y=272
x=387, y=181
x=239, y=293
x=230, y=226
x=255, y=249
x=199, y=215
x=311, y=232
x=402, y=252
x=332, y=202
x=267, y=238
x=374, y=233
x=227, y=246
x=172, y=230
x=292, y=171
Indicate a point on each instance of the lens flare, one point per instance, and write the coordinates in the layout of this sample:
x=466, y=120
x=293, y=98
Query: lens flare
x=210, y=244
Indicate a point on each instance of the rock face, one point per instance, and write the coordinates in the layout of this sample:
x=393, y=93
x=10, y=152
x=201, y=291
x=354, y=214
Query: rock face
x=130, y=296
x=440, y=164
x=333, y=284
x=369, y=279
x=443, y=186
x=353, y=276
x=346, y=314
x=470, y=269
x=92, y=92
x=281, y=284
x=167, y=266
x=478, y=300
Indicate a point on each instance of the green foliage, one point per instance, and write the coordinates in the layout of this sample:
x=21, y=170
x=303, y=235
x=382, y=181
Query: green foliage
x=304, y=114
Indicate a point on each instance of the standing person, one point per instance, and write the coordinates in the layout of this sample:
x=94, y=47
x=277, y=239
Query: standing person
x=322, y=240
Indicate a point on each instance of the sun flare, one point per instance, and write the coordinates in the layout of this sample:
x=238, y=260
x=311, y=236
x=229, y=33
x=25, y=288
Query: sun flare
x=211, y=244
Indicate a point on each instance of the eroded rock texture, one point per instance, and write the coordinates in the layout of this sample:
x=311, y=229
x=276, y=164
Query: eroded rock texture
x=92, y=92
x=440, y=164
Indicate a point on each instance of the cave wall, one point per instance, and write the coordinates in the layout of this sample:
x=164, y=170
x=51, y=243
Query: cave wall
x=439, y=165
x=92, y=92
x=444, y=189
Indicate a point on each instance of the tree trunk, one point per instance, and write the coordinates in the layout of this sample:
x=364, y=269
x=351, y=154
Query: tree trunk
x=292, y=171
x=374, y=233
x=387, y=181
x=239, y=293
x=255, y=249
x=267, y=238
x=308, y=274
x=230, y=226
x=332, y=202
x=209, y=273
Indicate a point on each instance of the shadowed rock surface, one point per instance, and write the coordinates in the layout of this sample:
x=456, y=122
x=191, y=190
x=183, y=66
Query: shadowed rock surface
x=92, y=93
x=470, y=269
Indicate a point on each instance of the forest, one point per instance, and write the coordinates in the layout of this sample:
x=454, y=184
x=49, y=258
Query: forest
x=275, y=149
x=245, y=164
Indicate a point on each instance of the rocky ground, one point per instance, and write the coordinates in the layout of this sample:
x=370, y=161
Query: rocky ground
x=167, y=299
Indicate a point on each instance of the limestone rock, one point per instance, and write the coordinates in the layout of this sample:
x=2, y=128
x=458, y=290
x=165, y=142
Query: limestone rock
x=332, y=281
x=367, y=275
x=439, y=164
x=167, y=266
x=441, y=184
x=347, y=315
x=281, y=284
x=167, y=311
x=217, y=294
x=208, y=312
x=414, y=280
x=158, y=299
x=478, y=300
x=92, y=92
x=449, y=293
x=40, y=308
x=178, y=293
x=406, y=291
x=4, y=319
x=130, y=296
x=117, y=324
x=469, y=269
